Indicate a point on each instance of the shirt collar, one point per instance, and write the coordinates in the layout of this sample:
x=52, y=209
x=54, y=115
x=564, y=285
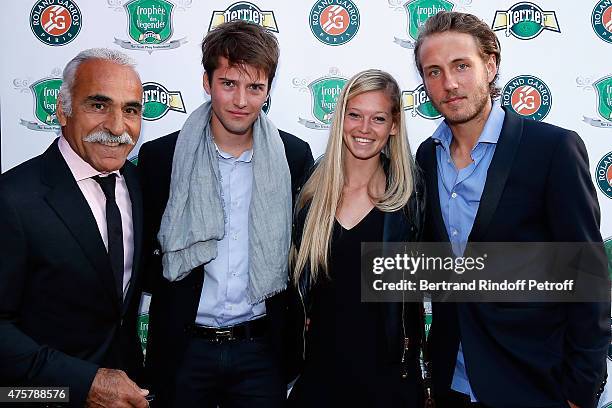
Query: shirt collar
x=79, y=168
x=246, y=156
x=490, y=132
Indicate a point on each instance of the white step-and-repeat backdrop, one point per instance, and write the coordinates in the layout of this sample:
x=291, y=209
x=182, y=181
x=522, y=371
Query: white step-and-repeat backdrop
x=556, y=65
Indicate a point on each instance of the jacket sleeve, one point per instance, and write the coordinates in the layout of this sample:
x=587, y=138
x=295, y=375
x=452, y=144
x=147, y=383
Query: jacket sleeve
x=305, y=170
x=573, y=215
x=296, y=310
x=23, y=361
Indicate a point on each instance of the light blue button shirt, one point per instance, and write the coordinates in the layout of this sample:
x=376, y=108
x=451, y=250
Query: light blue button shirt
x=223, y=301
x=460, y=192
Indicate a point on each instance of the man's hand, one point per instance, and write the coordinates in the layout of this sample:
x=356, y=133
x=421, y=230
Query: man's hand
x=572, y=405
x=114, y=389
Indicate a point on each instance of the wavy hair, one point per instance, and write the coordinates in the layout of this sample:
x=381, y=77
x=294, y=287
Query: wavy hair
x=464, y=23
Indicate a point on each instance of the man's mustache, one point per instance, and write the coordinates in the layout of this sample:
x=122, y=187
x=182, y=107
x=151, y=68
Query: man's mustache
x=105, y=137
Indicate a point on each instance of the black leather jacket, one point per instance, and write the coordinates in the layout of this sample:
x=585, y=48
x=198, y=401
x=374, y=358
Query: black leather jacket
x=402, y=319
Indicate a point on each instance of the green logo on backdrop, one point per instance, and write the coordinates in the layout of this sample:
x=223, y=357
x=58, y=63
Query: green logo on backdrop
x=149, y=20
x=418, y=102
x=45, y=100
x=45, y=92
x=604, y=97
x=525, y=21
x=149, y=26
x=603, y=89
x=325, y=92
x=418, y=11
x=157, y=101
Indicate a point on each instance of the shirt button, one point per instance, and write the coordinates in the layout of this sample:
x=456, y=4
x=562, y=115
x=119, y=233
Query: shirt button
x=454, y=195
x=455, y=232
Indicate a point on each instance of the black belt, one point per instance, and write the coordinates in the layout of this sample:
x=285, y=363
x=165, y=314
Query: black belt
x=242, y=331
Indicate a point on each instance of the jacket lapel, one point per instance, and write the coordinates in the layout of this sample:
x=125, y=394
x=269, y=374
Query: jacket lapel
x=430, y=166
x=131, y=180
x=68, y=202
x=498, y=173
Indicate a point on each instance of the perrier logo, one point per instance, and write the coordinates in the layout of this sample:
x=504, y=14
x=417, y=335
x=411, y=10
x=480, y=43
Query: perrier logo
x=418, y=102
x=45, y=92
x=324, y=96
x=157, y=101
x=149, y=25
x=525, y=21
x=243, y=10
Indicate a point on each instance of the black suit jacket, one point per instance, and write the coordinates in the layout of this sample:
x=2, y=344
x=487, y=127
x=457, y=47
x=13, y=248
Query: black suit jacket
x=538, y=189
x=60, y=315
x=174, y=305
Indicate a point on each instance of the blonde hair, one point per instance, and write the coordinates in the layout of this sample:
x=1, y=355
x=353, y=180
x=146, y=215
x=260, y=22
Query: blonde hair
x=324, y=187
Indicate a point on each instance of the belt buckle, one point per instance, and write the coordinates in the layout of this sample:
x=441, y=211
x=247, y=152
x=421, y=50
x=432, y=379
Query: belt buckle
x=223, y=335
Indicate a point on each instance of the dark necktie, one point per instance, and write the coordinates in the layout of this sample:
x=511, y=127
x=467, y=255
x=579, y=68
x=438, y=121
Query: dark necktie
x=114, y=230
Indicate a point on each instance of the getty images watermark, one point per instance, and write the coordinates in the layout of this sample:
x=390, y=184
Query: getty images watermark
x=485, y=272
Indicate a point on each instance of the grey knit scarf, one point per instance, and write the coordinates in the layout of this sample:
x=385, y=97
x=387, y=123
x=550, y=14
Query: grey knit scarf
x=193, y=221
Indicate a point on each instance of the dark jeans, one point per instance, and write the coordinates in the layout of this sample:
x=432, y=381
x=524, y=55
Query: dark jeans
x=230, y=374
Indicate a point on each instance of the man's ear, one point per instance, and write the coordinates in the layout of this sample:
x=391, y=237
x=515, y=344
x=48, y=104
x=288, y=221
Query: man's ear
x=59, y=112
x=491, y=65
x=206, y=83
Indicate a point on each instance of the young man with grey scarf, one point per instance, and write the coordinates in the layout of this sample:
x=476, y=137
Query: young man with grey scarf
x=218, y=199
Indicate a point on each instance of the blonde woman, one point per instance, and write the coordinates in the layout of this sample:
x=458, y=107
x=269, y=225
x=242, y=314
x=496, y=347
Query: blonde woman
x=362, y=190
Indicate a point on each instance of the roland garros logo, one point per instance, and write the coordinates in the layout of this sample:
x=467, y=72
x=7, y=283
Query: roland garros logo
x=527, y=96
x=603, y=175
x=55, y=22
x=334, y=22
x=601, y=19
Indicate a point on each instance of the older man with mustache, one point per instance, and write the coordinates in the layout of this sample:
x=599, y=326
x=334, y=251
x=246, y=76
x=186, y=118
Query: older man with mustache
x=71, y=222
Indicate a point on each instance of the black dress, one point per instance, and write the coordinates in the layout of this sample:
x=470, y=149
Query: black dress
x=345, y=345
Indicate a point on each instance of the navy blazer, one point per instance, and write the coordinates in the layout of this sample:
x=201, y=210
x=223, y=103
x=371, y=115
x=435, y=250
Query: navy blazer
x=538, y=189
x=60, y=315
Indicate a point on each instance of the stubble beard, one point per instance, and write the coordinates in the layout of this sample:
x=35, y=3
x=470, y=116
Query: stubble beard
x=477, y=103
